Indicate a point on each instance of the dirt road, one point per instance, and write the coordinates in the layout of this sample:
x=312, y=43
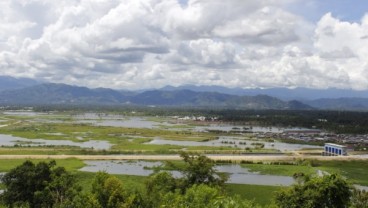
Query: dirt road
x=177, y=157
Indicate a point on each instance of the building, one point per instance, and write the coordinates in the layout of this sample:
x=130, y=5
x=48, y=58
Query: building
x=335, y=149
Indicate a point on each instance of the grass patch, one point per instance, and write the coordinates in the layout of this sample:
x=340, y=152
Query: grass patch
x=72, y=165
x=284, y=170
x=260, y=194
x=355, y=171
x=47, y=150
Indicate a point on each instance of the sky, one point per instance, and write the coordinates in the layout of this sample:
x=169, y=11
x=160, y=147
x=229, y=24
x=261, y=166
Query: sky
x=141, y=44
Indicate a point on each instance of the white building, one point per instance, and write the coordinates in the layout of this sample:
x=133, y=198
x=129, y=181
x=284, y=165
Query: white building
x=335, y=149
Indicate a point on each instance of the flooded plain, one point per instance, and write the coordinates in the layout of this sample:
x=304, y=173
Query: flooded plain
x=118, y=120
x=24, y=113
x=130, y=122
x=240, y=142
x=8, y=140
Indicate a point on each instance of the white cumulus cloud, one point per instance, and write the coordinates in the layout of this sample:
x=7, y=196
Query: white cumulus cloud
x=134, y=44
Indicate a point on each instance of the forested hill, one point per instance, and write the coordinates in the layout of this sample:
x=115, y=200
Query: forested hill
x=25, y=91
x=67, y=94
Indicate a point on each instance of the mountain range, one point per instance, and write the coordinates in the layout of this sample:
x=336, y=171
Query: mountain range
x=23, y=91
x=299, y=93
x=51, y=93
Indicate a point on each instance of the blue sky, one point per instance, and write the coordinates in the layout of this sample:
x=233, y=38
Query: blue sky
x=137, y=44
x=347, y=10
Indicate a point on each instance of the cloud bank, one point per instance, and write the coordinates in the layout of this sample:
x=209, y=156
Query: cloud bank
x=135, y=44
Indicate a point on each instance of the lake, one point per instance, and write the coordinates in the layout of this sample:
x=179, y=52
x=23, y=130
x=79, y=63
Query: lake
x=237, y=174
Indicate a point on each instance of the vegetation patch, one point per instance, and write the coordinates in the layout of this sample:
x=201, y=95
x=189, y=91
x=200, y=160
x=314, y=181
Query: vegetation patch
x=68, y=164
x=260, y=194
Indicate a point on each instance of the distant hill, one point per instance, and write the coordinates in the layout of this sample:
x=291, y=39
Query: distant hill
x=67, y=94
x=30, y=92
x=339, y=103
x=214, y=99
x=11, y=83
x=59, y=94
x=281, y=93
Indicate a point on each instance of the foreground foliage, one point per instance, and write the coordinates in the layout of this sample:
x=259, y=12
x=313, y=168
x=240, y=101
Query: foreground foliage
x=40, y=185
x=327, y=191
x=43, y=185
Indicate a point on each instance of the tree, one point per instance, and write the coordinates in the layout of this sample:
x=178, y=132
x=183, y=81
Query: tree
x=161, y=182
x=81, y=200
x=195, y=196
x=108, y=190
x=199, y=169
x=204, y=196
x=98, y=187
x=233, y=202
x=62, y=187
x=40, y=185
x=330, y=191
x=158, y=185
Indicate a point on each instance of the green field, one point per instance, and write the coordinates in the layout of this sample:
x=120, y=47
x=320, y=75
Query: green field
x=284, y=170
x=355, y=171
x=260, y=194
x=70, y=164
